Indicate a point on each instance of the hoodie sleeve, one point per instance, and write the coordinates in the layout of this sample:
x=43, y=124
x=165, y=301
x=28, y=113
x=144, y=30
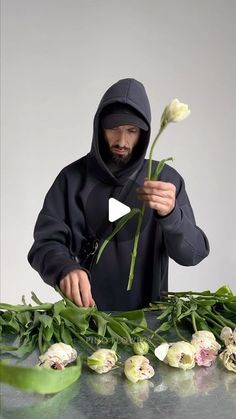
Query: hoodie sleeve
x=186, y=243
x=51, y=253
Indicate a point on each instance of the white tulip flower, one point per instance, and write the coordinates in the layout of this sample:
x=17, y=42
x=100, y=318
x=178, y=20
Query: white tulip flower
x=178, y=354
x=102, y=360
x=174, y=112
x=58, y=356
x=138, y=368
x=228, y=357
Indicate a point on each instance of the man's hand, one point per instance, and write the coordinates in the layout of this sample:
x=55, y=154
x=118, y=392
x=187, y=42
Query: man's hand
x=76, y=287
x=158, y=195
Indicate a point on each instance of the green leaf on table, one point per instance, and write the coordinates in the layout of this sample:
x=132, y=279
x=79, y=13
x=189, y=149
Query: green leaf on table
x=25, y=318
x=119, y=329
x=20, y=308
x=7, y=348
x=45, y=320
x=38, y=379
x=165, y=313
x=165, y=326
x=134, y=316
x=57, y=334
x=58, y=307
x=209, y=302
x=65, y=335
x=115, y=336
x=79, y=318
x=27, y=346
x=117, y=228
x=9, y=321
x=178, y=308
x=202, y=325
x=188, y=312
x=230, y=306
x=101, y=324
x=48, y=333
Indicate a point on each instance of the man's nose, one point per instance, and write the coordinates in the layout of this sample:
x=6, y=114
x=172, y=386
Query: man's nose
x=122, y=140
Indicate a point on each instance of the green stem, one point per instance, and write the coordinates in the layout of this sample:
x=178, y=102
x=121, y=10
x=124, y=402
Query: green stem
x=82, y=340
x=222, y=320
x=35, y=298
x=135, y=248
x=194, y=322
x=203, y=294
x=178, y=333
x=152, y=332
x=141, y=214
x=40, y=339
x=152, y=149
x=209, y=319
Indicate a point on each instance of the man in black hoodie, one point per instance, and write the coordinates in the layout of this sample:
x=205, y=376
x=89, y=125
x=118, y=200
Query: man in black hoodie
x=74, y=218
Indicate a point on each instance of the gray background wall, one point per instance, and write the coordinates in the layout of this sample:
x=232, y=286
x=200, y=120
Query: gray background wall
x=58, y=58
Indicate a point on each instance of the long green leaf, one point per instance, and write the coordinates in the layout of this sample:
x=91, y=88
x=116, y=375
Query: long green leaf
x=25, y=318
x=165, y=313
x=45, y=320
x=26, y=347
x=38, y=379
x=120, y=329
x=80, y=320
x=160, y=167
x=65, y=335
x=118, y=226
x=135, y=315
x=8, y=321
x=20, y=307
x=35, y=298
x=165, y=326
x=101, y=324
x=58, y=307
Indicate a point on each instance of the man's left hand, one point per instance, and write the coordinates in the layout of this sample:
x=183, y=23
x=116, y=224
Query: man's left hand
x=158, y=195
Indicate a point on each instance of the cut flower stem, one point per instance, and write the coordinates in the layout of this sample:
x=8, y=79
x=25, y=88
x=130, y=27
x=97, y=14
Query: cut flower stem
x=141, y=215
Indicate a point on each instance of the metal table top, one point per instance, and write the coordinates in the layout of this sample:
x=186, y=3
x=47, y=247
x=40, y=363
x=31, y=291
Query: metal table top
x=171, y=393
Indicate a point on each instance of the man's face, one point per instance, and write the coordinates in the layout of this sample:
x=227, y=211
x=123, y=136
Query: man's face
x=121, y=141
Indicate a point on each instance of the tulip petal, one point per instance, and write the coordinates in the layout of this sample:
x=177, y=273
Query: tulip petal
x=161, y=351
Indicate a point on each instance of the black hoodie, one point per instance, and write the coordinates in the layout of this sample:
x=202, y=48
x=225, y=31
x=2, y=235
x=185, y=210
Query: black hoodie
x=74, y=219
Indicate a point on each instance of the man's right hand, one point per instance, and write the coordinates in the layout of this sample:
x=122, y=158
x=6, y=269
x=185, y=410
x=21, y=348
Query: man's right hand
x=77, y=288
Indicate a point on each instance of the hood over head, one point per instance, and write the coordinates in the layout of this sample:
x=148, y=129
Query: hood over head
x=132, y=94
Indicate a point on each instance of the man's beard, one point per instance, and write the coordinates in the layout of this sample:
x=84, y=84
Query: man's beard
x=117, y=160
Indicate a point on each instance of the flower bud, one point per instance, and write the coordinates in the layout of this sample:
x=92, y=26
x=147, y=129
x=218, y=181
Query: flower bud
x=141, y=348
x=102, y=360
x=174, y=112
x=138, y=368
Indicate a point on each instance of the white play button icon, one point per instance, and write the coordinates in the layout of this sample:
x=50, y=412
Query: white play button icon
x=116, y=209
